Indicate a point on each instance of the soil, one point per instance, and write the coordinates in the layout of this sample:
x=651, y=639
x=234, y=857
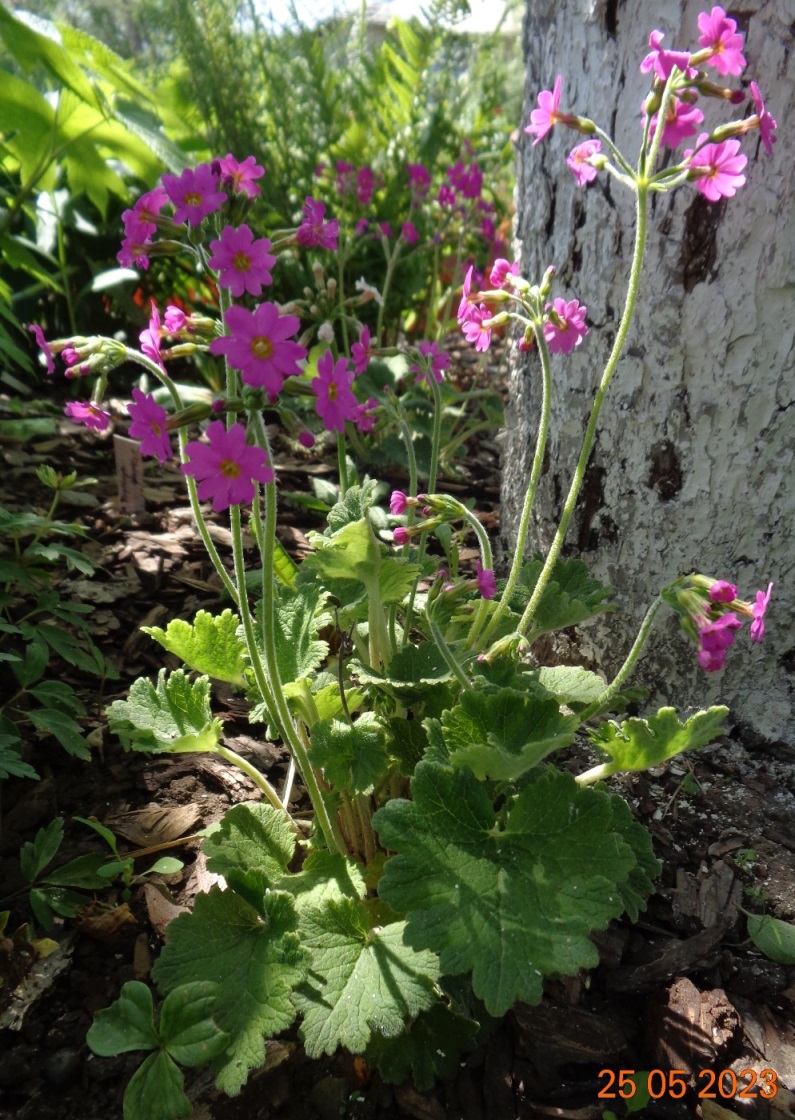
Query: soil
x=683, y=988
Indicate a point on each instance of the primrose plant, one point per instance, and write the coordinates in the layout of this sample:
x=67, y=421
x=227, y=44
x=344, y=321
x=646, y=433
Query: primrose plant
x=447, y=869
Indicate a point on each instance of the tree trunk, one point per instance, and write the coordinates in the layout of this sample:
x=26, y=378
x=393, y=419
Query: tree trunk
x=693, y=465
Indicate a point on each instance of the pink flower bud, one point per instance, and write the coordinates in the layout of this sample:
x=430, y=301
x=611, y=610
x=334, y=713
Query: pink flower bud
x=397, y=503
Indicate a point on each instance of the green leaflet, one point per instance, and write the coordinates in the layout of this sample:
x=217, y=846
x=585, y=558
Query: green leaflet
x=511, y=900
x=637, y=744
x=570, y=597
x=259, y=957
x=775, y=938
x=362, y=979
x=209, y=645
x=352, y=755
x=430, y=1047
x=251, y=838
x=173, y=716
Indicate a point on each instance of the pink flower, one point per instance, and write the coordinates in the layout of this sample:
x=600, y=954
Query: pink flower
x=150, y=338
x=361, y=227
x=149, y=205
x=365, y=185
x=487, y=229
x=257, y=345
x=447, y=196
x=148, y=425
x=719, y=34
x=227, y=469
x=681, y=121
x=546, y=116
x=43, y=345
x=242, y=175
x=242, y=264
x=565, y=328
x=397, y=503
x=714, y=639
x=136, y=226
x=174, y=319
x=336, y=401
x=716, y=168
x=306, y=439
x=386, y=229
x=439, y=362
x=89, y=414
x=345, y=177
x=662, y=61
x=314, y=231
x=465, y=307
x=578, y=161
x=767, y=125
x=722, y=592
x=401, y=535
x=473, y=328
x=134, y=254
x=486, y=581
x=419, y=181
x=194, y=193
x=408, y=231
x=362, y=351
x=364, y=415
x=500, y=270
x=758, y=610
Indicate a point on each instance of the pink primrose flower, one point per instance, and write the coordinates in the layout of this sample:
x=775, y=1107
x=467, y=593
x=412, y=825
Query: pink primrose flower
x=89, y=414
x=662, y=61
x=714, y=639
x=566, y=328
x=681, y=121
x=345, y=177
x=364, y=414
x=419, y=181
x=149, y=205
x=243, y=175
x=361, y=227
x=722, y=592
x=397, y=503
x=150, y=338
x=546, y=116
x=439, y=362
x=767, y=125
x=242, y=264
x=719, y=34
x=465, y=307
x=758, y=610
x=226, y=468
x=365, y=185
x=174, y=319
x=148, y=425
x=194, y=193
x=134, y=254
x=408, y=231
x=716, y=168
x=306, y=439
x=258, y=345
x=401, y=535
x=473, y=328
x=315, y=231
x=386, y=229
x=362, y=351
x=336, y=401
x=447, y=196
x=578, y=161
x=502, y=269
x=43, y=345
x=137, y=227
x=486, y=581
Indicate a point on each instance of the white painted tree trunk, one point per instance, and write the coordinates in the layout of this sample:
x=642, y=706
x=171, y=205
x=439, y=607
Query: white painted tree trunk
x=693, y=467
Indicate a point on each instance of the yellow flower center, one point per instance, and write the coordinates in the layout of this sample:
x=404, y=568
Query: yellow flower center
x=192, y=198
x=241, y=262
x=230, y=469
x=333, y=391
x=261, y=347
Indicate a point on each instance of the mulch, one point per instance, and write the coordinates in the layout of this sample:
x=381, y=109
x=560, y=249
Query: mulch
x=681, y=989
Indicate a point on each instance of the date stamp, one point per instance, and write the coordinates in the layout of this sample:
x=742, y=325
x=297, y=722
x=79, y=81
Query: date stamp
x=748, y=1084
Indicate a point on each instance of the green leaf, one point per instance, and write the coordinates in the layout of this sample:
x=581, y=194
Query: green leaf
x=351, y=554
x=324, y=877
x=503, y=735
x=353, y=756
x=570, y=597
x=429, y=1048
x=570, y=684
x=414, y=671
x=513, y=900
x=210, y=645
x=30, y=48
x=187, y=1029
x=260, y=960
x=637, y=744
x=251, y=838
x=63, y=728
x=58, y=694
x=35, y=855
x=361, y=979
x=300, y=616
x=11, y=764
x=156, y=1091
x=353, y=507
x=174, y=717
x=775, y=938
x=128, y=1024
x=80, y=872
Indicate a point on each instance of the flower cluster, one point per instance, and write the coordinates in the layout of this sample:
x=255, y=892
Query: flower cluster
x=710, y=613
x=715, y=164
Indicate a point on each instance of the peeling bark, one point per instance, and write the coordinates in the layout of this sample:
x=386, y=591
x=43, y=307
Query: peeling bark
x=692, y=469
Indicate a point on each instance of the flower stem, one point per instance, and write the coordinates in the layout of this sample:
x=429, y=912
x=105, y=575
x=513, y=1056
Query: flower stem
x=342, y=461
x=615, y=686
x=448, y=655
x=259, y=780
x=590, y=432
